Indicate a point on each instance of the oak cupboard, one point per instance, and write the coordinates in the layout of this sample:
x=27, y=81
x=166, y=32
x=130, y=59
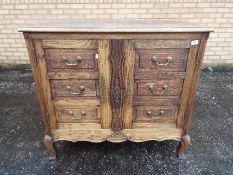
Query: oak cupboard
x=116, y=80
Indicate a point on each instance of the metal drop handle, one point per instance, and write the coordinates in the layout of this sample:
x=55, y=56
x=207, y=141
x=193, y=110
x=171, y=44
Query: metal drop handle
x=82, y=114
x=152, y=88
x=81, y=90
x=150, y=114
x=66, y=61
x=155, y=60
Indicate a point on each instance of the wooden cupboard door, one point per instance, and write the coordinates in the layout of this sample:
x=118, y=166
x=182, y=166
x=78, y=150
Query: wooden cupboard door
x=164, y=71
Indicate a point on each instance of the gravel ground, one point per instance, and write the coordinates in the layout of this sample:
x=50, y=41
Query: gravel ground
x=21, y=132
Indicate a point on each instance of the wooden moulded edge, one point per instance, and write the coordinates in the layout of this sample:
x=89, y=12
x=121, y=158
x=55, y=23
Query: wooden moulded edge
x=115, y=30
x=112, y=25
x=112, y=35
x=100, y=135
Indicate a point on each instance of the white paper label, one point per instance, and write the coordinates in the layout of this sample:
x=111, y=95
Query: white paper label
x=194, y=42
x=96, y=56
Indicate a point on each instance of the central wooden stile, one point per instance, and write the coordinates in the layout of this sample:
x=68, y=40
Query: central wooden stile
x=116, y=61
x=116, y=69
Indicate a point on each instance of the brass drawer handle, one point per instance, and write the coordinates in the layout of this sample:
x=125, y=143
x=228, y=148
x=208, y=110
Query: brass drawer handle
x=155, y=60
x=82, y=114
x=82, y=89
x=150, y=114
x=153, y=89
x=66, y=61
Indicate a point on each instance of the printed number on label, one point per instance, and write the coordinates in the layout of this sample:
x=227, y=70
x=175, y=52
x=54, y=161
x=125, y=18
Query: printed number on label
x=194, y=42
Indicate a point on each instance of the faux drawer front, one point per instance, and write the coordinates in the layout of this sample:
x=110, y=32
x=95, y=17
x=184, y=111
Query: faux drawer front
x=74, y=88
x=77, y=114
x=168, y=55
x=159, y=87
x=153, y=114
x=165, y=59
x=71, y=58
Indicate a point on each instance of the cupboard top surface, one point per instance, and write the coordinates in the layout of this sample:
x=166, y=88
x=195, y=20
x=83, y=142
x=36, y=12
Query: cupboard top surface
x=113, y=25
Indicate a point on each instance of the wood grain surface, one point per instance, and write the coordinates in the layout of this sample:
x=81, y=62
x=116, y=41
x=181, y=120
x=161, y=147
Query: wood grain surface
x=55, y=59
x=61, y=44
x=113, y=25
x=38, y=84
x=117, y=36
x=195, y=82
x=104, y=51
x=45, y=83
x=59, y=88
x=170, y=112
x=116, y=89
x=176, y=64
x=154, y=44
x=153, y=100
x=69, y=114
x=82, y=125
x=187, y=84
x=158, y=75
x=174, y=87
x=100, y=135
x=73, y=75
x=128, y=83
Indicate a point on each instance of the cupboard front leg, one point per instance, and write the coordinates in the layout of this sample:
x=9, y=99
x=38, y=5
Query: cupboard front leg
x=184, y=143
x=48, y=142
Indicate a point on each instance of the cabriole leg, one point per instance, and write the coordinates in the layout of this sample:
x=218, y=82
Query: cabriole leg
x=48, y=142
x=184, y=143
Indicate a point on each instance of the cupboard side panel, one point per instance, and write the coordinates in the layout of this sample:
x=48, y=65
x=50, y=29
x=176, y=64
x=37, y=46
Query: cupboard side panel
x=45, y=82
x=195, y=82
x=187, y=84
x=38, y=84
